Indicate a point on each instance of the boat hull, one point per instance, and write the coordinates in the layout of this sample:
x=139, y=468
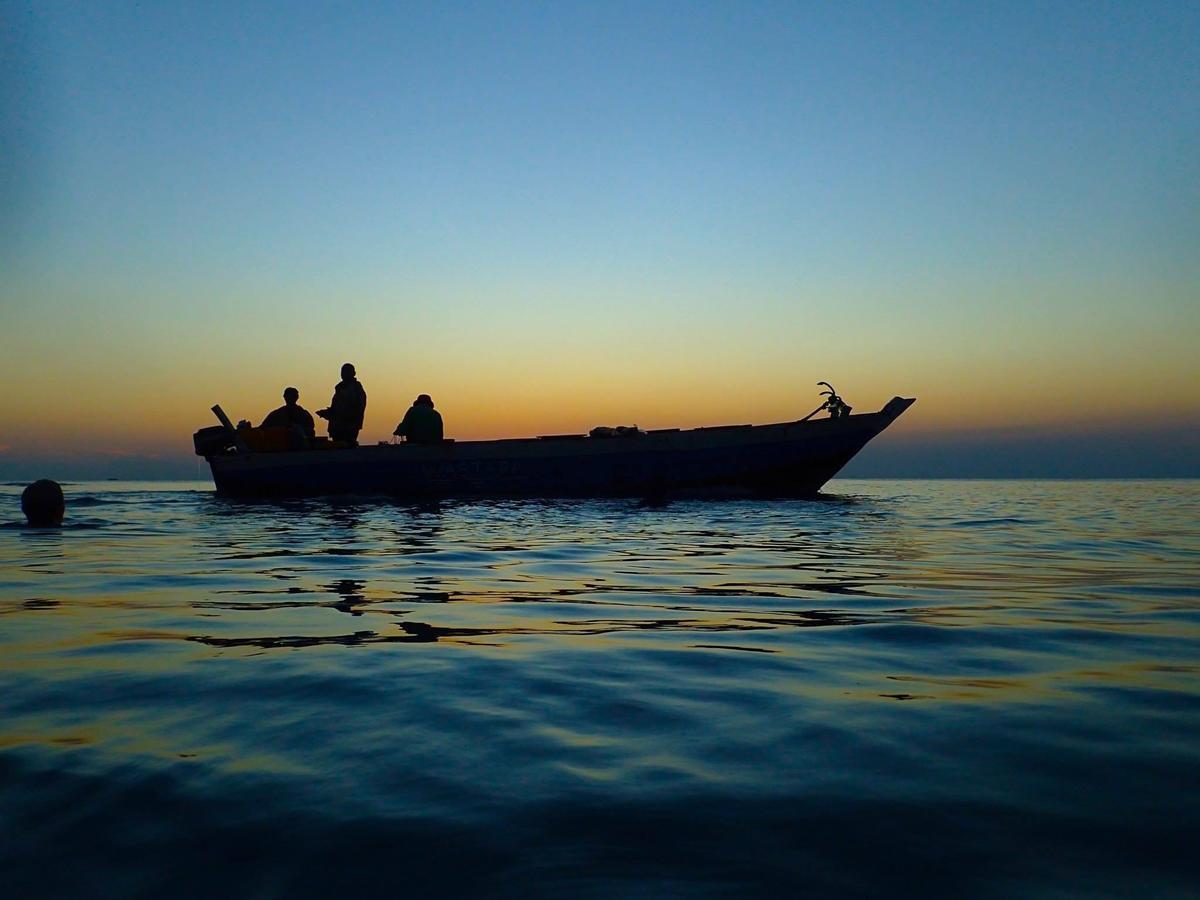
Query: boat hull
x=786, y=459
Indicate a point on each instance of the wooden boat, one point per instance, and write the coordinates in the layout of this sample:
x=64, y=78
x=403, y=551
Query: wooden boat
x=786, y=459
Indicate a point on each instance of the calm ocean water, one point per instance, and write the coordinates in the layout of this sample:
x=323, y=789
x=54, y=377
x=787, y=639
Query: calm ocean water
x=972, y=689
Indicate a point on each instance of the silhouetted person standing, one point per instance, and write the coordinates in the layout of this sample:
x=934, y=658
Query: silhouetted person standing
x=43, y=504
x=347, y=408
x=422, y=423
x=291, y=414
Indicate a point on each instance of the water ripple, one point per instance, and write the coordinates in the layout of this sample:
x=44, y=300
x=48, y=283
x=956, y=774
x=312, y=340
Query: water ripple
x=962, y=688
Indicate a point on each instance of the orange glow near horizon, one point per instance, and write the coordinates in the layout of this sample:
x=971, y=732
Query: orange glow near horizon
x=135, y=411
x=94, y=370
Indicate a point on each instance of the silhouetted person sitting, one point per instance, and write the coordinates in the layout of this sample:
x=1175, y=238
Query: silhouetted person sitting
x=346, y=409
x=43, y=504
x=291, y=414
x=422, y=423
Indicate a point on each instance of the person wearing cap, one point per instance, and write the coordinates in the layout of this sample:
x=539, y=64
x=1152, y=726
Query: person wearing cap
x=422, y=423
x=347, y=408
x=291, y=414
x=43, y=504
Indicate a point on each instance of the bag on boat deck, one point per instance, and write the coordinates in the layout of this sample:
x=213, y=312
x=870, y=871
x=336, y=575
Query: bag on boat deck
x=604, y=431
x=272, y=439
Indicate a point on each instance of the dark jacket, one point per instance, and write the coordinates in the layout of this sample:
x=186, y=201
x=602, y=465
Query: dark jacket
x=287, y=416
x=422, y=425
x=348, y=406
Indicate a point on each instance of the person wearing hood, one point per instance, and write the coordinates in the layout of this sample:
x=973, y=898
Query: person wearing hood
x=422, y=423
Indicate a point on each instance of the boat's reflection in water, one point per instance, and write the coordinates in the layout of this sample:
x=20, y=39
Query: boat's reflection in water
x=660, y=568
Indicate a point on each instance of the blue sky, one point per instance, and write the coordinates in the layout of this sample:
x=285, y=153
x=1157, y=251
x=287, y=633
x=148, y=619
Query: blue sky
x=588, y=130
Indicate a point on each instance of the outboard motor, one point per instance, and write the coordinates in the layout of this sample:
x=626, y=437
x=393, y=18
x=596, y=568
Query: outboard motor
x=209, y=441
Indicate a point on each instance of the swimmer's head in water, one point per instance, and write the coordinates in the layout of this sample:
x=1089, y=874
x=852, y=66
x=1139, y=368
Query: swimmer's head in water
x=43, y=504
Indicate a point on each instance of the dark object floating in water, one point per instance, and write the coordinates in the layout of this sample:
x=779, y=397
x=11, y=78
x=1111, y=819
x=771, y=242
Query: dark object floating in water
x=788, y=459
x=43, y=503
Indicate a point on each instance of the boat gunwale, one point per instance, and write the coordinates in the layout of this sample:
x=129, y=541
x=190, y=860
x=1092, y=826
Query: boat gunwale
x=668, y=437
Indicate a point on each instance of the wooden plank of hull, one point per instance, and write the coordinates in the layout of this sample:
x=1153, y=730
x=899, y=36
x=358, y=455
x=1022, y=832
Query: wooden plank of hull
x=787, y=459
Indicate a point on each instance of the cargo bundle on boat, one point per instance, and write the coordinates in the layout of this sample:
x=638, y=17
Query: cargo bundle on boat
x=785, y=459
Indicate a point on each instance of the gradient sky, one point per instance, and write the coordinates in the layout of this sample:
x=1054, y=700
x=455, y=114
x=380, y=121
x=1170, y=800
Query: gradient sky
x=553, y=216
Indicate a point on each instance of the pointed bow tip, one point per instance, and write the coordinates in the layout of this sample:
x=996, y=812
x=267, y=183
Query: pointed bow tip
x=897, y=405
